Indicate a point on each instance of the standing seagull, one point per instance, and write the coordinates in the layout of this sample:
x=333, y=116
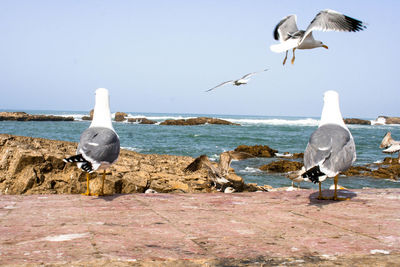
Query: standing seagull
x=331, y=147
x=98, y=147
x=291, y=37
x=244, y=80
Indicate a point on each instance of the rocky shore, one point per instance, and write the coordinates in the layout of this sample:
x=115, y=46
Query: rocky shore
x=23, y=116
x=35, y=166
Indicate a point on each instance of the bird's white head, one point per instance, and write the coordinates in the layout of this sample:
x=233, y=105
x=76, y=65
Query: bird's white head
x=321, y=44
x=102, y=114
x=331, y=110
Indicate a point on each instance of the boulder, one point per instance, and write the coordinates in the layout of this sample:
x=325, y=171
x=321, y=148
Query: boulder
x=141, y=121
x=120, y=116
x=197, y=121
x=257, y=150
x=90, y=117
x=35, y=166
x=392, y=120
x=357, y=121
x=23, y=116
x=282, y=166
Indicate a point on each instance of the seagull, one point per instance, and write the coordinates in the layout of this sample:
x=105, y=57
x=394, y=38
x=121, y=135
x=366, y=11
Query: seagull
x=218, y=173
x=291, y=37
x=331, y=147
x=296, y=177
x=99, y=144
x=244, y=80
x=391, y=146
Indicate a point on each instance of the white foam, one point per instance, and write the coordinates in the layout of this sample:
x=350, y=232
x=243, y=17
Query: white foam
x=250, y=170
x=379, y=121
x=298, y=122
x=281, y=155
x=132, y=148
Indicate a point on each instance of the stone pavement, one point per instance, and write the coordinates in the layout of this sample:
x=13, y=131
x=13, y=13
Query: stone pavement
x=244, y=229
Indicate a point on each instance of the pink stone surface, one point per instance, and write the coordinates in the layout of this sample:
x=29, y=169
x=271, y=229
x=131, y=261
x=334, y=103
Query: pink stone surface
x=60, y=229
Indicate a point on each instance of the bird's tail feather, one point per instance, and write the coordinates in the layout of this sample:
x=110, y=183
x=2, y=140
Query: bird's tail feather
x=76, y=158
x=314, y=174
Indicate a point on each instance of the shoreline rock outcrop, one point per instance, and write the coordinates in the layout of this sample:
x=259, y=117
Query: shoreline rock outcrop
x=357, y=121
x=258, y=150
x=23, y=116
x=35, y=166
x=197, y=121
x=141, y=121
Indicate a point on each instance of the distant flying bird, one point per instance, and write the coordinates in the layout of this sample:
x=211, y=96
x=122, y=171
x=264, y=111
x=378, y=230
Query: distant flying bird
x=291, y=37
x=391, y=146
x=217, y=173
x=244, y=80
x=331, y=148
x=99, y=144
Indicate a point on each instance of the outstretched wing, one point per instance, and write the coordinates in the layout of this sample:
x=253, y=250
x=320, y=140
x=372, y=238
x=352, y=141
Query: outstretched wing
x=226, y=158
x=202, y=162
x=284, y=27
x=331, y=20
x=251, y=74
x=227, y=82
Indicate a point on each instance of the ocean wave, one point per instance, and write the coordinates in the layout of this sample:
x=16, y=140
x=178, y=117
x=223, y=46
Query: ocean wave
x=299, y=122
x=132, y=148
x=250, y=170
x=158, y=118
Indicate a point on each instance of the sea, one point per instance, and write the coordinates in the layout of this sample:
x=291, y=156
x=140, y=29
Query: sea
x=285, y=134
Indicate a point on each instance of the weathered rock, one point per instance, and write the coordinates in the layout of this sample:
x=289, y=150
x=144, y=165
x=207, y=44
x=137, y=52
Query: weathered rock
x=120, y=116
x=257, y=150
x=23, y=116
x=90, y=117
x=282, y=166
x=392, y=120
x=35, y=166
x=141, y=121
x=357, y=121
x=197, y=121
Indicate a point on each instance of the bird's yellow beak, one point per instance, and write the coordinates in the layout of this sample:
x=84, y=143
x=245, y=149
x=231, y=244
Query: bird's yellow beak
x=324, y=46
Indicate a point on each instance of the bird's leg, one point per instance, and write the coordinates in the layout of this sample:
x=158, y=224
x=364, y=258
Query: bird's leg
x=298, y=185
x=87, y=185
x=284, y=61
x=320, y=192
x=292, y=184
x=335, y=197
x=294, y=56
x=102, y=184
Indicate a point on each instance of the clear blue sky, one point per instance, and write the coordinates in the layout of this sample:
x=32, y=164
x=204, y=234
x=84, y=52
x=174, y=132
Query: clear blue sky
x=160, y=56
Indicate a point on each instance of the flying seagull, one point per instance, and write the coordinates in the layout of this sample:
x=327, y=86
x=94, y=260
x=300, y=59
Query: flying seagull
x=291, y=37
x=331, y=147
x=217, y=173
x=99, y=145
x=244, y=80
x=391, y=146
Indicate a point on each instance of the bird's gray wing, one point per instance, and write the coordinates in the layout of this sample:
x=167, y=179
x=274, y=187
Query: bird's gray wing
x=332, y=148
x=99, y=144
x=286, y=26
x=227, y=82
x=331, y=20
x=252, y=73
